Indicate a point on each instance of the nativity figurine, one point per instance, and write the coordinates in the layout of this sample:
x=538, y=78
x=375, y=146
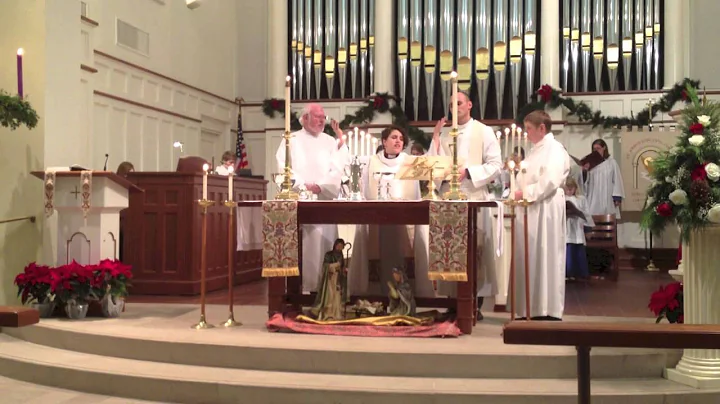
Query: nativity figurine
x=402, y=302
x=332, y=286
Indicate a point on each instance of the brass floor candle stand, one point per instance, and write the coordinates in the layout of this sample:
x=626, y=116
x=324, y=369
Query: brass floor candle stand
x=431, y=194
x=286, y=193
x=454, y=194
x=513, y=204
x=231, y=205
x=203, y=324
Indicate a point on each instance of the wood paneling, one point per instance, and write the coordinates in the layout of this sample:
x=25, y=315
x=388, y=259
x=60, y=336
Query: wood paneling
x=163, y=228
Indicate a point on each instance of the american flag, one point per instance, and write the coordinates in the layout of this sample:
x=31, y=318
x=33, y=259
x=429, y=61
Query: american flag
x=240, y=151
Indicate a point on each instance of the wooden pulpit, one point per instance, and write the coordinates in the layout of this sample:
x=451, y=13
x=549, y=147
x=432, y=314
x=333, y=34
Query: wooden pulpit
x=88, y=210
x=162, y=233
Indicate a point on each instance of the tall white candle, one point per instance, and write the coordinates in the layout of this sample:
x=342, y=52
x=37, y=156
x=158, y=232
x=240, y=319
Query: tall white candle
x=525, y=143
x=287, y=104
x=357, y=144
x=511, y=166
x=230, y=183
x=205, y=174
x=454, y=100
x=499, y=136
x=349, y=142
x=511, y=139
x=363, y=152
x=370, y=150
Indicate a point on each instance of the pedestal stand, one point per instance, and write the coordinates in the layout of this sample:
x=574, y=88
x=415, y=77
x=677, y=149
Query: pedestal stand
x=203, y=324
x=513, y=204
x=700, y=368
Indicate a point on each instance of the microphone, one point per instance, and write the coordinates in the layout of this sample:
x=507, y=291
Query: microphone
x=106, y=160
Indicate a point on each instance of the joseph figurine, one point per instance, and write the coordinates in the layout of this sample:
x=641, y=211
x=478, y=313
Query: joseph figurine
x=332, y=285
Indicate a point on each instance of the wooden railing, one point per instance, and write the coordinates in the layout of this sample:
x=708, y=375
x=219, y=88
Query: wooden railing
x=17, y=219
x=584, y=336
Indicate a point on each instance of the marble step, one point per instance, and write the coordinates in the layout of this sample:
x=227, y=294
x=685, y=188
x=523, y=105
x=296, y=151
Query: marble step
x=244, y=348
x=168, y=382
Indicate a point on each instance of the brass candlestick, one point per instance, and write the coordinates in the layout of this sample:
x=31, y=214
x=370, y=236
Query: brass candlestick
x=286, y=192
x=204, y=205
x=431, y=195
x=231, y=205
x=524, y=203
x=454, y=194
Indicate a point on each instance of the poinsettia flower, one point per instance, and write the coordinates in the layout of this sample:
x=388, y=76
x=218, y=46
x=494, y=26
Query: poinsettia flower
x=703, y=120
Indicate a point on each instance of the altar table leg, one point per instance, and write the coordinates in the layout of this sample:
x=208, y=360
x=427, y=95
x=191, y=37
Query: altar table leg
x=466, y=299
x=294, y=283
x=276, y=295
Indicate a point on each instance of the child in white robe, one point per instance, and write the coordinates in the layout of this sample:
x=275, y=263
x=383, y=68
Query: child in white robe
x=576, y=264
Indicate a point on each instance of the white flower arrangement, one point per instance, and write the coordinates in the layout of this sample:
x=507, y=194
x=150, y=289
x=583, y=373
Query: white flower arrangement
x=713, y=171
x=678, y=197
x=696, y=140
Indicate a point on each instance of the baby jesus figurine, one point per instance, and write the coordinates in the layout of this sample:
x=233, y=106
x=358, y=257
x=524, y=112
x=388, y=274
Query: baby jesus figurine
x=332, y=287
x=402, y=302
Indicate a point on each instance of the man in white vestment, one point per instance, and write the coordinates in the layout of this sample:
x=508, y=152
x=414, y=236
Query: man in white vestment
x=480, y=151
x=314, y=161
x=544, y=173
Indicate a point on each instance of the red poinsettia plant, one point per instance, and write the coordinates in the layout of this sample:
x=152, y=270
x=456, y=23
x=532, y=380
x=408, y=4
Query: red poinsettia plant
x=34, y=284
x=667, y=302
x=73, y=281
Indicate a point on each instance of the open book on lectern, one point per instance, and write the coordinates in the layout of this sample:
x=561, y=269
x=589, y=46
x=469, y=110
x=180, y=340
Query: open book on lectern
x=419, y=167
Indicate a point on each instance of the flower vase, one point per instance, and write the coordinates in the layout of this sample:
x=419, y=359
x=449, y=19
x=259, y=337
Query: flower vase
x=112, y=306
x=45, y=308
x=700, y=368
x=76, y=310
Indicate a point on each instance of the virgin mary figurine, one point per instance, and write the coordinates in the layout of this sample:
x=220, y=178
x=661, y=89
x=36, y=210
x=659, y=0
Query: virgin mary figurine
x=332, y=286
x=402, y=302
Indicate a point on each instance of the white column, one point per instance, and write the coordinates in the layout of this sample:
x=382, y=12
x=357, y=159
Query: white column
x=700, y=368
x=675, y=51
x=383, y=46
x=550, y=44
x=277, y=48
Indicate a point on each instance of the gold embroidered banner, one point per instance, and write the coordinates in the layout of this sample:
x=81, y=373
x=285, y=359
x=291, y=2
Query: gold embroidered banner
x=448, y=241
x=280, y=243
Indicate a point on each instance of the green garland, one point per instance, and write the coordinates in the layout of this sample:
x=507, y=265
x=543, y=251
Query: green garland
x=549, y=98
x=378, y=103
x=15, y=111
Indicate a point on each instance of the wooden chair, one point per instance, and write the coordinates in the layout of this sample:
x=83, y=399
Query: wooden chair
x=603, y=236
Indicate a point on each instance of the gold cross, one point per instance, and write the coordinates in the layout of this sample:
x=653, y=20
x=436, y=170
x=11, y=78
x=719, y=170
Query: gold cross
x=76, y=192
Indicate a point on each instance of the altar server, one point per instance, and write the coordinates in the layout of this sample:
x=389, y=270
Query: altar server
x=578, y=219
x=478, y=147
x=314, y=160
x=389, y=245
x=541, y=181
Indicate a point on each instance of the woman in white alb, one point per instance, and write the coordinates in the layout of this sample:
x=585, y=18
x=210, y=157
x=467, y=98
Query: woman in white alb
x=604, y=184
x=392, y=246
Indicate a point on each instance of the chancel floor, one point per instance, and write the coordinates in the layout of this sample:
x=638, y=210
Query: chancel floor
x=628, y=297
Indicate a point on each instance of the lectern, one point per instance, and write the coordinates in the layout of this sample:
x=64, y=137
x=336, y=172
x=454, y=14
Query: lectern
x=88, y=205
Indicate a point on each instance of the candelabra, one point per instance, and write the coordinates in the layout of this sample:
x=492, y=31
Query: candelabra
x=286, y=191
x=454, y=194
x=204, y=205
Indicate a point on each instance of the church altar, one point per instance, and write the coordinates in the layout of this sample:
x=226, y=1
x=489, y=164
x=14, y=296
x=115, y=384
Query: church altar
x=285, y=295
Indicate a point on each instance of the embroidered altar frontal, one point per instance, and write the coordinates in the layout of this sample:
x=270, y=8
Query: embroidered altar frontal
x=280, y=243
x=448, y=241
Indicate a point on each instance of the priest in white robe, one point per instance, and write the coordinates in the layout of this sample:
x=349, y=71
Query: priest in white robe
x=478, y=147
x=545, y=170
x=394, y=242
x=604, y=184
x=314, y=160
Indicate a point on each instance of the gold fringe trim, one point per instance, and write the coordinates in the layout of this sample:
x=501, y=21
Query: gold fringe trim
x=280, y=272
x=448, y=276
